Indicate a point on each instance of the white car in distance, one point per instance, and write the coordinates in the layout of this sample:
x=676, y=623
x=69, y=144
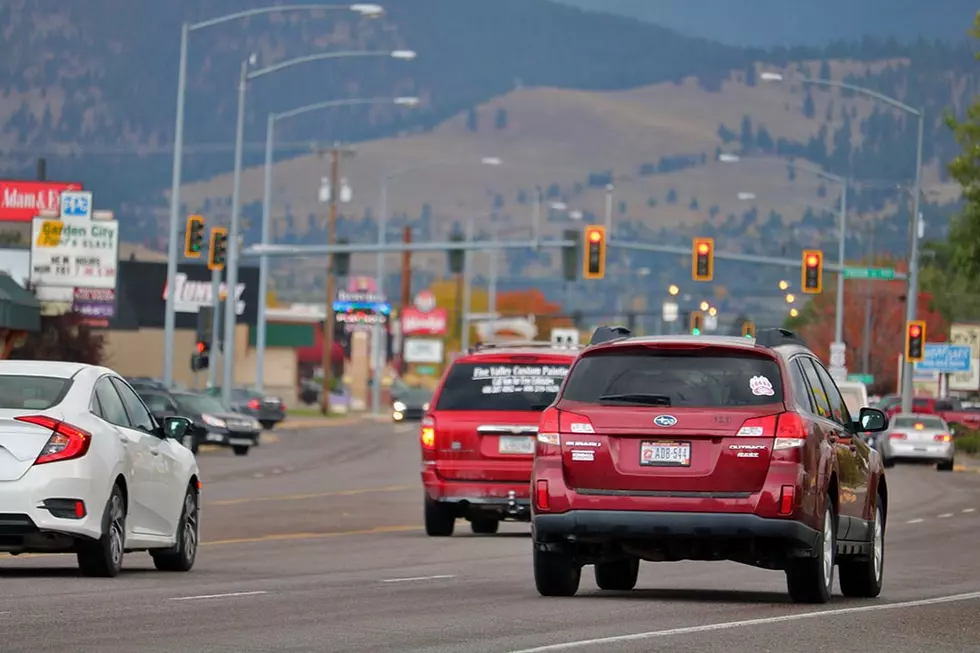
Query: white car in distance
x=85, y=468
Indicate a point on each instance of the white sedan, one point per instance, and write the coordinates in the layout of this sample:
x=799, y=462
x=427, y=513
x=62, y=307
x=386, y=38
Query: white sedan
x=85, y=468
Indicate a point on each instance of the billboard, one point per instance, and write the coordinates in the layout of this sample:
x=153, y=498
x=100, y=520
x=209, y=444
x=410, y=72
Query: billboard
x=74, y=255
x=966, y=334
x=22, y=201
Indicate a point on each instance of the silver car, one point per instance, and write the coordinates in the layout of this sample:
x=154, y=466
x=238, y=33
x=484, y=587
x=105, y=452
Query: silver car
x=919, y=438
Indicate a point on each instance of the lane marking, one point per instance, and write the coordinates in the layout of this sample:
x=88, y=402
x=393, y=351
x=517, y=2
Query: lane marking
x=216, y=596
x=305, y=497
x=413, y=578
x=281, y=537
x=945, y=515
x=969, y=509
x=915, y=521
x=729, y=625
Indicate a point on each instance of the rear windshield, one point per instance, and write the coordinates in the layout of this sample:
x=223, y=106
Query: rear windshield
x=675, y=379
x=32, y=392
x=854, y=399
x=926, y=422
x=501, y=386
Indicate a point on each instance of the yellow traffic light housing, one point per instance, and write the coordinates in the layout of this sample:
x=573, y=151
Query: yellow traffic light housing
x=218, y=250
x=748, y=329
x=812, y=281
x=703, y=259
x=915, y=341
x=595, y=252
x=697, y=323
x=194, y=237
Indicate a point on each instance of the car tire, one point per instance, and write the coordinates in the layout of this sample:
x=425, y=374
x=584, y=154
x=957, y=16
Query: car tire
x=103, y=557
x=887, y=463
x=181, y=556
x=439, y=519
x=484, y=525
x=556, y=574
x=268, y=425
x=617, y=575
x=810, y=580
x=862, y=579
x=241, y=449
x=946, y=465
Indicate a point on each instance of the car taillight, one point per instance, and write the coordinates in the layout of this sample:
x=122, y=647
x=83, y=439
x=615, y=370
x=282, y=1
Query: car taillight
x=254, y=404
x=759, y=427
x=549, y=440
x=541, y=495
x=791, y=434
x=786, y=498
x=66, y=441
x=282, y=406
x=427, y=436
x=896, y=436
x=943, y=437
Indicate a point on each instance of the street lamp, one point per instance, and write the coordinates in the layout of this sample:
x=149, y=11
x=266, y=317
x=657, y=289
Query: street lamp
x=793, y=312
x=673, y=290
x=267, y=204
x=245, y=77
x=783, y=285
x=912, y=283
x=365, y=10
x=712, y=311
x=790, y=298
x=705, y=306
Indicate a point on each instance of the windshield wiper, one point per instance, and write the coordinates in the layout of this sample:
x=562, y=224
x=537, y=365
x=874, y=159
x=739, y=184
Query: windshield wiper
x=638, y=398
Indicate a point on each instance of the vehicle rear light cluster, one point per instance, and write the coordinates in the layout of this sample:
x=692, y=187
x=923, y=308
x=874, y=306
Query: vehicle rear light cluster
x=66, y=442
x=896, y=436
x=541, y=495
x=254, y=404
x=943, y=437
x=787, y=498
x=553, y=424
x=790, y=436
x=427, y=435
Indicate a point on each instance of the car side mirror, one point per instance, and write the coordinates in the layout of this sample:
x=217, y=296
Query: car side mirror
x=176, y=427
x=871, y=420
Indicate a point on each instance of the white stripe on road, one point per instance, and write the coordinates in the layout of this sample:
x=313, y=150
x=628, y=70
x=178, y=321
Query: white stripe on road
x=915, y=521
x=216, y=596
x=405, y=580
x=969, y=510
x=945, y=515
x=729, y=625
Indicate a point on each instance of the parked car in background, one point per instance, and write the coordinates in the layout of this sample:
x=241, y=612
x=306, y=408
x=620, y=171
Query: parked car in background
x=411, y=405
x=216, y=424
x=268, y=409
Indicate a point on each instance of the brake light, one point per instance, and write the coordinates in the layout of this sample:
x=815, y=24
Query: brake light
x=786, y=498
x=254, y=404
x=541, y=495
x=427, y=436
x=943, y=437
x=896, y=436
x=791, y=432
x=759, y=427
x=66, y=442
x=549, y=440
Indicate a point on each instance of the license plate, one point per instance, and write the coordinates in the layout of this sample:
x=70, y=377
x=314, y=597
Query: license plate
x=665, y=454
x=240, y=441
x=512, y=444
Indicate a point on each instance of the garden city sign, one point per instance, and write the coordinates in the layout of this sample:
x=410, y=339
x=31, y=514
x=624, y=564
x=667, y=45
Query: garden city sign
x=192, y=295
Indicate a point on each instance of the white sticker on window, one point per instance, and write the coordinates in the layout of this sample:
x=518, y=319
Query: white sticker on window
x=761, y=386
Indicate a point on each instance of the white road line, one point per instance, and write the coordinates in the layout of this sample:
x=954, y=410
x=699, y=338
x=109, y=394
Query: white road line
x=945, y=515
x=405, y=580
x=216, y=596
x=915, y=521
x=969, y=509
x=729, y=625
x=3, y=613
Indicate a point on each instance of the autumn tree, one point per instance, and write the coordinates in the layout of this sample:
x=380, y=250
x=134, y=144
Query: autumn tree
x=63, y=337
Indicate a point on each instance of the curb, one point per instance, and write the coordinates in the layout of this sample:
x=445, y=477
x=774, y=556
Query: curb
x=970, y=469
x=327, y=422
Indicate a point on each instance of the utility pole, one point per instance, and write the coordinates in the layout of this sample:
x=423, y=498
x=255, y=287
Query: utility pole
x=328, y=317
x=406, y=289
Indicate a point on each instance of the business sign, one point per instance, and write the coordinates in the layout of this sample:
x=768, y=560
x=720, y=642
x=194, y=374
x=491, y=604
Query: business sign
x=968, y=335
x=945, y=358
x=74, y=255
x=193, y=295
x=415, y=322
x=76, y=205
x=22, y=201
x=423, y=350
x=94, y=302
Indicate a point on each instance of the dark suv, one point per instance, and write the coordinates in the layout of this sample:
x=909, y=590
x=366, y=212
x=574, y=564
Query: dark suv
x=706, y=448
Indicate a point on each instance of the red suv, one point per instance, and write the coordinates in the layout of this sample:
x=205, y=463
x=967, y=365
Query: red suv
x=478, y=435
x=706, y=448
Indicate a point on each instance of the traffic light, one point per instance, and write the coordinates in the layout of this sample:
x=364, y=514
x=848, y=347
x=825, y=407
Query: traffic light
x=341, y=260
x=812, y=271
x=456, y=258
x=915, y=339
x=703, y=259
x=200, y=360
x=595, y=252
x=697, y=323
x=194, y=238
x=571, y=255
x=748, y=329
x=218, y=250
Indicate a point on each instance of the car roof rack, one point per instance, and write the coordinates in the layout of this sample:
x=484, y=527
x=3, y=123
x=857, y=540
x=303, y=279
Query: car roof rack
x=510, y=344
x=778, y=337
x=605, y=334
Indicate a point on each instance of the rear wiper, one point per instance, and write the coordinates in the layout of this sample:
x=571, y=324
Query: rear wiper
x=639, y=398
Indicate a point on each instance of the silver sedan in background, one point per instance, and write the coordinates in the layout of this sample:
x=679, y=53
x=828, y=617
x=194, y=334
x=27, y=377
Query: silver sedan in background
x=920, y=438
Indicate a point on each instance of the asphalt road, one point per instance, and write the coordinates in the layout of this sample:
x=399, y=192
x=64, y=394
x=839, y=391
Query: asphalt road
x=313, y=543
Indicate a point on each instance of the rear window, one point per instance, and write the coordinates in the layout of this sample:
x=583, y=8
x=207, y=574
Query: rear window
x=926, y=422
x=501, y=386
x=719, y=379
x=32, y=392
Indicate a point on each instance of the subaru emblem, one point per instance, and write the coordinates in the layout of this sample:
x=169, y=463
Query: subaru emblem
x=664, y=420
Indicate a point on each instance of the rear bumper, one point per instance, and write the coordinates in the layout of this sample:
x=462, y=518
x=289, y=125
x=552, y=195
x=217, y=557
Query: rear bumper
x=508, y=499
x=635, y=525
x=916, y=451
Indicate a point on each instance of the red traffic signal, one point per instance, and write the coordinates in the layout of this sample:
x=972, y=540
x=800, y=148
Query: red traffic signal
x=812, y=271
x=202, y=347
x=703, y=263
x=915, y=341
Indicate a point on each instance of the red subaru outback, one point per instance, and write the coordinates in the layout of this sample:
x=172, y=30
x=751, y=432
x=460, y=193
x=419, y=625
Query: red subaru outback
x=706, y=448
x=478, y=436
